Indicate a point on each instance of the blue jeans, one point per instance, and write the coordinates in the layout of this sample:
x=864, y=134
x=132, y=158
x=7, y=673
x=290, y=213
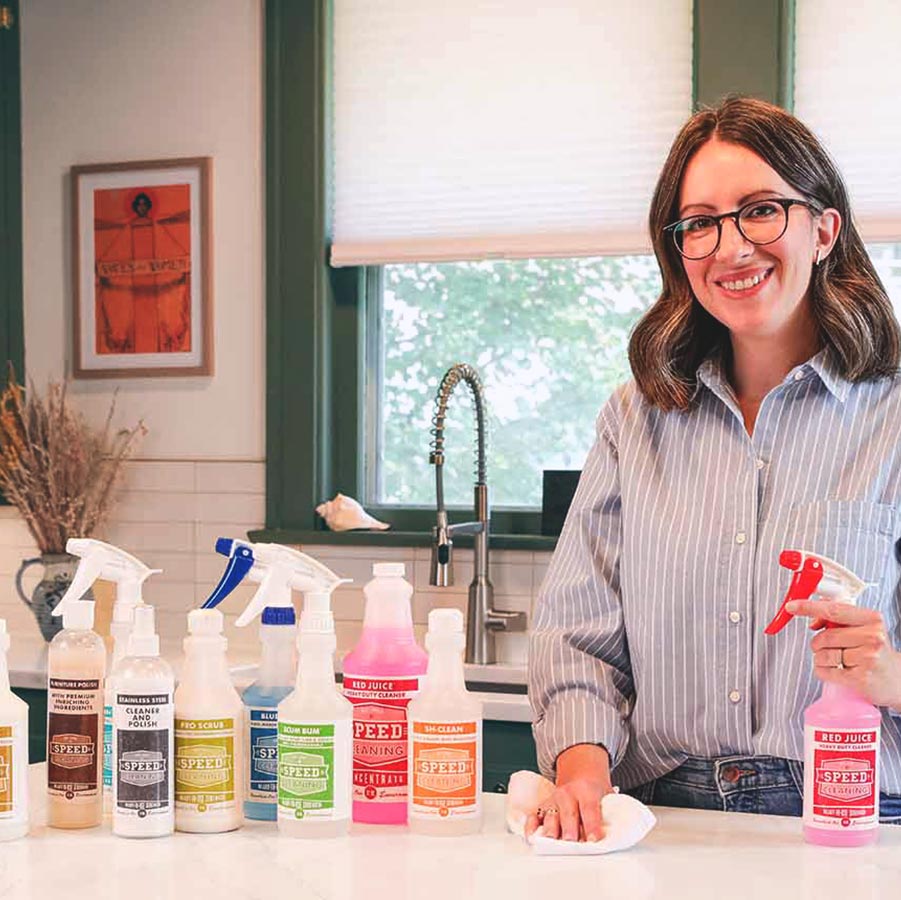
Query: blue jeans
x=753, y=784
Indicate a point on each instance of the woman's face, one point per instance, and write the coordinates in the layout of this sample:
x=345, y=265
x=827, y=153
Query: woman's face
x=756, y=291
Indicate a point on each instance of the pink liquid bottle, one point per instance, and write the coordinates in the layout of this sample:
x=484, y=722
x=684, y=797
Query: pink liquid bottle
x=381, y=675
x=841, y=729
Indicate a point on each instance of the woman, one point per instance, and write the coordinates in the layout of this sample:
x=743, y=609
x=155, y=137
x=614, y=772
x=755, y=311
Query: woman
x=764, y=415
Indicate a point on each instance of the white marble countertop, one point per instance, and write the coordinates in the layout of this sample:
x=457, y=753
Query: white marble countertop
x=690, y=854
x=27, y=659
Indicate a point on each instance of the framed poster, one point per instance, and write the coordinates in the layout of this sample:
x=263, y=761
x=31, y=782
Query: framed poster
x=143, y=268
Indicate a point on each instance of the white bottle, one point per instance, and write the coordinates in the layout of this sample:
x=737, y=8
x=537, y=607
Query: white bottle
x=102, y=560
x=120, y=628
x=314, y=735
x=75, y=668
x=209, y=717
x=445, y=735
x=143, y=752
x=13, y=753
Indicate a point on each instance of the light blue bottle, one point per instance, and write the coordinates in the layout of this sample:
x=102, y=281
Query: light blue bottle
x=278, y=671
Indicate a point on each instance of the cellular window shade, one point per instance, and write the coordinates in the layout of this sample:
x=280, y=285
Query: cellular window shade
x=497, y=128
x=848, y=90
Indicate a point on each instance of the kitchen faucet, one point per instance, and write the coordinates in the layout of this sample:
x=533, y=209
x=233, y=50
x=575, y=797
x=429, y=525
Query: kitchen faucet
x=483, y=621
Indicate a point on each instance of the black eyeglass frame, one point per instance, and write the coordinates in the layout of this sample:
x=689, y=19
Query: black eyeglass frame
x=785, y=202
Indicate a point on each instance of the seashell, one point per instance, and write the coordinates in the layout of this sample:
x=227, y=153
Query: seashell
x=345, y=514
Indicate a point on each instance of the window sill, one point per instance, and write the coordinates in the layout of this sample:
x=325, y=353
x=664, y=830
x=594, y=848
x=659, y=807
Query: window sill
x=391, y=538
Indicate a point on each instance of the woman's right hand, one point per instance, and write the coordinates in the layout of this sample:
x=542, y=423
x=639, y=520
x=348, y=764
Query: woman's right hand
x=573, y=811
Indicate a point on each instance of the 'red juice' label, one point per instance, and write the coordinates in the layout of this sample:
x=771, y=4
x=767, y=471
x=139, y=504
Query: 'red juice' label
x=841, y=778
x=380, y=735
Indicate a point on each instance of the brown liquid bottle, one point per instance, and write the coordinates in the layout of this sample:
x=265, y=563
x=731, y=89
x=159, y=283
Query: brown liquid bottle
x=76, y=668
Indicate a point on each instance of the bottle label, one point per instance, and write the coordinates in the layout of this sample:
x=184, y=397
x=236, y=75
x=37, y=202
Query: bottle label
x=263, y=742
x=306, y=770
x=107, y=747
x=841, y=778
x=204, y=764
x=7, y=758
x=446, y=768
x=74, y=708
x=380, y=735
x=143, y=747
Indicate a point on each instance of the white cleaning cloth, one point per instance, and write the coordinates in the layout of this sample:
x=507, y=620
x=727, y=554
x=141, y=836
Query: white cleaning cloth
x=626, y=820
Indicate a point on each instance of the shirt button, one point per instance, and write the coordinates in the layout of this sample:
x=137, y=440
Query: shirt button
x=799, y=374
x=760, y=463
x=735, y=617
x=740, y=538
x=734, y=696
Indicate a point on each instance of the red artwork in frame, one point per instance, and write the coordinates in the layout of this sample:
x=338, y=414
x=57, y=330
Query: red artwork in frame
x=143, y=264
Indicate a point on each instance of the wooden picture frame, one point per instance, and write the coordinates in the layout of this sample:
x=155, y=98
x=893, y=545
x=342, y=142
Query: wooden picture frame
x=142, y=268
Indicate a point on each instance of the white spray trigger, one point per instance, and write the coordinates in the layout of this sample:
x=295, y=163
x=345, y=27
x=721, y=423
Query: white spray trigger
x=102, y=560
x=279, y=570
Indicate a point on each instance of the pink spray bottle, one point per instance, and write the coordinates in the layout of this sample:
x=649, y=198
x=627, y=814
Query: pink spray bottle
x=381, y=675
x=841, y=729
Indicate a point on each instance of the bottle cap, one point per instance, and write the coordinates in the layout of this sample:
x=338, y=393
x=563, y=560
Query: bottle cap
x=317, y=617
x=79, y=615
x=143, y=640
x=279, y=615
x=389, y=570
x=4, y=637
x=205, y=622
x=445, y=621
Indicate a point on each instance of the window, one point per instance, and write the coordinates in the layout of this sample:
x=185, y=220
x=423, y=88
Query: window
x=316, y=317
x=549, y=339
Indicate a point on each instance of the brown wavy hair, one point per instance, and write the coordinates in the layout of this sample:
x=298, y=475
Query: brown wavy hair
x=849, y=302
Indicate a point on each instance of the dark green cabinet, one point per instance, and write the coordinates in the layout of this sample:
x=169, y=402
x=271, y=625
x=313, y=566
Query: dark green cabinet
x=508, y=747
x=37, y=722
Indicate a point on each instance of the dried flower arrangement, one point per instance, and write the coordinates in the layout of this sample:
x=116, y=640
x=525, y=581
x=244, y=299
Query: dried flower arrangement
x=58, y=471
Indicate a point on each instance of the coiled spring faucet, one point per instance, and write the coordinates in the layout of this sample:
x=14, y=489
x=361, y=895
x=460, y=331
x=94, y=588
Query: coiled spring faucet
x=483, y=621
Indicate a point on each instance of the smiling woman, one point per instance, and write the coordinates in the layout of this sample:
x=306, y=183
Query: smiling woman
x=772, y=335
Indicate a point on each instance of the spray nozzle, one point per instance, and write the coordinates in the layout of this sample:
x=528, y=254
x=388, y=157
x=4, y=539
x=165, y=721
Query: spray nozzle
x=143, y=640
x=277, y=569
x=102, y=560
x=815, y=577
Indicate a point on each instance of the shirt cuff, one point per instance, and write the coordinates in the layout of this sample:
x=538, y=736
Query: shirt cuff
x=577, y=717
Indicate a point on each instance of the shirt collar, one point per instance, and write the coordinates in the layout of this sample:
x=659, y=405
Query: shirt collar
x=710, y=373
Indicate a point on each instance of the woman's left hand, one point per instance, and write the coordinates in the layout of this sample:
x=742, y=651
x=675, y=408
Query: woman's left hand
x=858, y=655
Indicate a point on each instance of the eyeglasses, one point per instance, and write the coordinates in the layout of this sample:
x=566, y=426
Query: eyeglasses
x=760, y=222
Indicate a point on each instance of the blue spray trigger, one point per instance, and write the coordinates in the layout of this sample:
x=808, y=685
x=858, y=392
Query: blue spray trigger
x=239, y=564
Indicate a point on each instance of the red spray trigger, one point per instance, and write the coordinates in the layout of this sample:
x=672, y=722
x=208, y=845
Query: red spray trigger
x=806, y=579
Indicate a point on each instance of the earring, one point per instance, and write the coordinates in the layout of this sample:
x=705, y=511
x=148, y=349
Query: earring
x=816, y=259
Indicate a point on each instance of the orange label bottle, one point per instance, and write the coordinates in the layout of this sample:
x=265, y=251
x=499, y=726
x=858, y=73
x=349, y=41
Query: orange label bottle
x=445, y=738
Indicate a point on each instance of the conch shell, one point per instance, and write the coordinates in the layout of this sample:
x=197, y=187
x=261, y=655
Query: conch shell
x=345, y=514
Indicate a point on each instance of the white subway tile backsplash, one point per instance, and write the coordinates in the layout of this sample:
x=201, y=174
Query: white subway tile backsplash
x=155, y=506
x=425, y=601
x=146, y=475
x=224, y=507
x=231, y=477
x=139, y=537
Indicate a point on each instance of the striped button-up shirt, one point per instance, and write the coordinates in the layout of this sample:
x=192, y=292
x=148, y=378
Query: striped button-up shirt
x=648, y=630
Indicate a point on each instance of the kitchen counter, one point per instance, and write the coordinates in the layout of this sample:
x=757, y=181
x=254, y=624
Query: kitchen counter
x=27, y=659
x=690, y=854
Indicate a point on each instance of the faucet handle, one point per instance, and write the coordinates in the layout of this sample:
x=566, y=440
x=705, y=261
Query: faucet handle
x=505, y=620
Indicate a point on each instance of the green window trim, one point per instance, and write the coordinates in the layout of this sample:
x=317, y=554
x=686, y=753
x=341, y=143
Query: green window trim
x=315, y=315
x=12, y=337
x=12, y=326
